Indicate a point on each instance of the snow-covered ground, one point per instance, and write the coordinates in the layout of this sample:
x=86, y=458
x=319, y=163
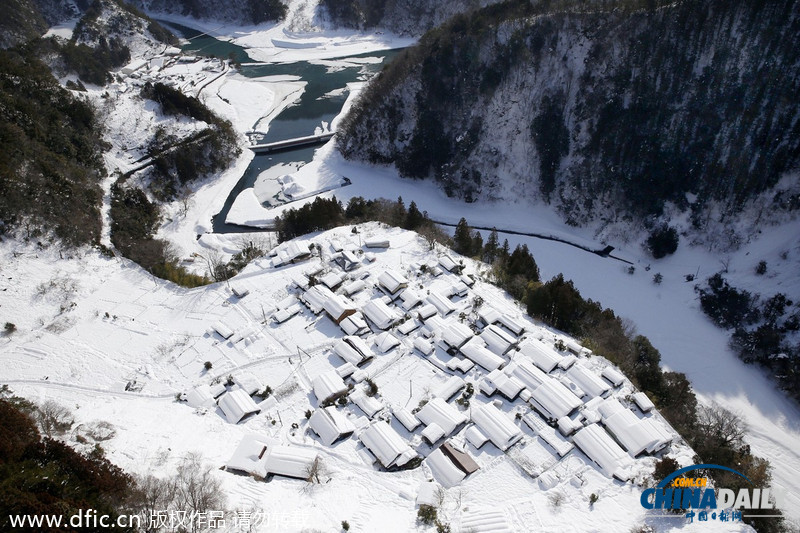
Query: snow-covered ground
x=90, y=327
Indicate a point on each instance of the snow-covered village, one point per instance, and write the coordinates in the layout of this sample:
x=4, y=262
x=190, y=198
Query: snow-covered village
x=300, y=266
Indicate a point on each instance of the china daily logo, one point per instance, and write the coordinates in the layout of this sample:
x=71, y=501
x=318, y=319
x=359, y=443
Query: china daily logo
x=707, y=503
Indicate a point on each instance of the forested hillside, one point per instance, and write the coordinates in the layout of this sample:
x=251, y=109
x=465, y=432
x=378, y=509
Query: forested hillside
x=238, y=11
x=607, y=112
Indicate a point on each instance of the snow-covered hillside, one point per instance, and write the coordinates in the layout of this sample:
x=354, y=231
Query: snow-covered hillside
x=120, y=350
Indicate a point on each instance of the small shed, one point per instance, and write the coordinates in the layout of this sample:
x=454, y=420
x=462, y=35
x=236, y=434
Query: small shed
x=331, y=425
x=377, y=243
x=327, y=385
x=450, y=265
x=423, y=346
x=289, y=461
x=643, y=402
x=614, y=376
x=248, y=457
x=237, y=405
x=385, y=342
x=223, y=330
x=406, y=418
x=392, y=281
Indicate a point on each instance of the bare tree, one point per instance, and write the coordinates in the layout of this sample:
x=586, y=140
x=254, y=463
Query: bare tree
x=316, y=470
x=54, y=418
x=197, y=490
x=719, y=427
x=154, y=495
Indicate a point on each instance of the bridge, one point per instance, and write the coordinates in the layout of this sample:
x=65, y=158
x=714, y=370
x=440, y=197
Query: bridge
x=291, y=143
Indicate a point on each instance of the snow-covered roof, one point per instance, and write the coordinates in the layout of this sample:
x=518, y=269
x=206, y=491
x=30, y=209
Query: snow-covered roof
x=449, y=388
x=406, y=418
x=248, y=383
x=428, y=493
x=380, y=314
x=477, y=352
x=643, y=402
x=601, y=448
x=349, y=353
x=540, y=354
x=637, y=435
x=553, y=399
x=354, y=324
x=443, y=469
x=575, y=348
x=369, y=404
x=239, y=290
x=290, y=252
x=331, y=425
x=475, y=436
x=339, y=307
x=386, y=342
x=568, y=426
x=461, y=364
x=354, y=286
x=328, y=384
x=316, y=297
x=332, y=279
x=458, y=288
x=236, y=405
x=432, y=433
x=346, y=370
x=446, y=416
x=283, y=315
x=449, y=264
x=223, y=330
x=200, y=396
x=409, y=326
x=289, y=461
x=425, y=347
x=497, y=381
x=410, y=299
x=347, y=260
x=456, y=335
x=392, y=281
x=561, y=445
x=614, y=376
x=248, y=456
x=426, y=311
x=488, y=314
x=442, y=304
x=377, y=243
x=497, y=340
x=588, y=381
x=496, y=425
x=387, y=445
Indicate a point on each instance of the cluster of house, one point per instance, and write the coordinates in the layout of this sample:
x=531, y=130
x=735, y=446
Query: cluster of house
x=572, y=403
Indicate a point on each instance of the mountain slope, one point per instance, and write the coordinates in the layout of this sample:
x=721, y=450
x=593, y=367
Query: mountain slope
x=606, y=114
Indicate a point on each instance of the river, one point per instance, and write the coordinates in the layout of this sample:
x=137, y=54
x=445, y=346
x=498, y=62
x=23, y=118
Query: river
x=320, y=102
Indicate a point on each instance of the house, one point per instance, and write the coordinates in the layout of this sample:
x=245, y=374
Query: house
x=588, y=381
x=426, y=311
x=237, y=405
x=376, y=243
x=463, y=365
x=223, y=330
x=463, y=460
x=450, y=265
x=347, y=260
x=475, y=436
x=369, y=404
x=289, y=461
x=637, y=435
x=423, y=346
x=331, y=425
x=283, y=315
x=497, y=340
x=338, y=307
x=391, y=450
x=458, y=290
x=497, y=381
x=475, y=351
x=576, y=348
x=316, y=297
x=354, y=287
x=561, y=445
x=240, y=291
x=354, y=325
x=290, y=253
x=332, y=280
x=553, y=400
x=385, y=342
x=409, y=326
x=327, y=385
x=200, y=397
x=443, y=469
x=410, y=299
x=353, y=350
x=248, y=383
x=614, y=376
x=512, y=324
x=406, y=418
x=449, y=388
x=456, y=335
x=497, y=426
x=380, y=314
x=540, y=354
x=441, y=303
x=445, y=415
x=248, y=457
x=392, y=281
x=601, y=448
x=643, y=402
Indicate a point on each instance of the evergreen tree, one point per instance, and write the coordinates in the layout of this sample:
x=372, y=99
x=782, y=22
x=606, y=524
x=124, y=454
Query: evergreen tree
x=490, y=250
x=414, y=218
x=477, y=244
x=462, y=239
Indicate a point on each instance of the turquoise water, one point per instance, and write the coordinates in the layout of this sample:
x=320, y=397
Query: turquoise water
x=298, y=120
